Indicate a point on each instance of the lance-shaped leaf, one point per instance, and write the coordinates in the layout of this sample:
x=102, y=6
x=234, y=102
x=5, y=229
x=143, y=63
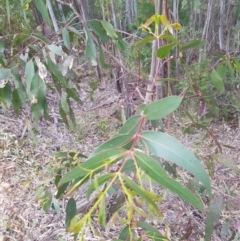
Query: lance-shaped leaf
x=157, y=173
x=53, y=69
x=126, y=233
x=99, y=30
x=101, y=56
x=170, y=149
x=102, y=213
x=44, y=12
x=144, y=41
x=162, y=108
x=213, y=215
x=163, y=51
x=19, y=38
x=29, y=73
x=71, y=211
x=55, y=49
x=152, y=232
x=66, y=38
x=40, y=37
x=230, y=68
x=134, y=187
x=168, y=37
x=72, y=93
x=131, y=125
x=122, y=141
x=95, y=163
x=6, y=95
x=5, y=73
x=97, y=182
x=16, y=101
x=38, y=91
x=217, y=81
x=193, y=44
x=91, y=48
x=109, y=29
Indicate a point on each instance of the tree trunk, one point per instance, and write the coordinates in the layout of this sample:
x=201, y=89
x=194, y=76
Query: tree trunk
x=54, y=21
x=207, y=23
x=154, y=73
x=221, y=24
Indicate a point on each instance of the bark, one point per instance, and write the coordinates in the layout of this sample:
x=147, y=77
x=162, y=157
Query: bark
x=115, y=22
x=154, y=73
x=54, y=21
x=205, y=33
x=221, y=24
x=229, y=23
x=61, y=12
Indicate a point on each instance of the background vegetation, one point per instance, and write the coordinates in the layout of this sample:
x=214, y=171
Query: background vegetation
x=156, y=71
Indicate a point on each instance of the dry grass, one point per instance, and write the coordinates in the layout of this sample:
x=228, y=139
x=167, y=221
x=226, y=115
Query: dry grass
x=26, y=165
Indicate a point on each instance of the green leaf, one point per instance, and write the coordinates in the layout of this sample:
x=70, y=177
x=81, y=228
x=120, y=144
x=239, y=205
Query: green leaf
x=163, y=51
x=213, y=216
x=168, y=148
x=237, y=65
x=222, y=71
x=169, y=37
x=62, y=189
x=19, y=38
x=155, y=171
x=40, y=37
x=193, y=44
x=64, y=103
x=144, y=41
x=53, y=69
x=140, y=192
x=66, y=38
x=63, y=115
x=6, y=95
x=56, y=205
x=217, y=81
x=98, y=29
x=119, y=43
x=56, y=49
x=102, y=213
x=16, y=101
x=29, y=73
x=230, y=68
x=74, y=30
x=46, y=201
x=44, y=12
x=109, y=29
x=153, y=232
x=38, y=90
x=71, y=113
x=19, y=85
x=97, y=182
x=131, y=125
x=72, y=93
x=101, y=57
x=126, y=233
x=95, y=163
x=91, y=48
x=5, y=73
x=162, y=108
x=122, y=141
x=71, y=211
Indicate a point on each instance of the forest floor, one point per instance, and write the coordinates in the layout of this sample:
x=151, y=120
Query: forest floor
x=27, y=164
